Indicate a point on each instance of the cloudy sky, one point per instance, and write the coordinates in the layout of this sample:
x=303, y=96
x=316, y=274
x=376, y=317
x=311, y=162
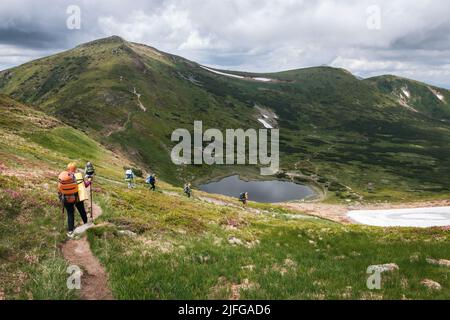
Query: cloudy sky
x=406, y=38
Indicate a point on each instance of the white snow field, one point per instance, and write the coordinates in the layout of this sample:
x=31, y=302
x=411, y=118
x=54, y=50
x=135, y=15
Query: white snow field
x=406, y=92
x=236, y=76
x=413, y=217
x=266, y=125
x=437, y=94
x=262, y=79
x=223, y=73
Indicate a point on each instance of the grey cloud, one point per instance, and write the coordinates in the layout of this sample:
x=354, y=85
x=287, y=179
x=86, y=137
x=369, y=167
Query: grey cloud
x=30, y=39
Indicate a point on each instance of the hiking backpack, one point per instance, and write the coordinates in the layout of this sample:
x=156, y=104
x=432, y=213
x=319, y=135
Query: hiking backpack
x=242, y=196
x=67, y=187
x=89, y=170
x=128, y=175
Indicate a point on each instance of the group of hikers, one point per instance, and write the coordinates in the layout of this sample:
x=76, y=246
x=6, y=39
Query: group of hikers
x=73, y=191
x=151, y=181
x=130, y=176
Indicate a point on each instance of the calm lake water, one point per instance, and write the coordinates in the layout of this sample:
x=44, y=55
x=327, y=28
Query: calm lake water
x=259, y=191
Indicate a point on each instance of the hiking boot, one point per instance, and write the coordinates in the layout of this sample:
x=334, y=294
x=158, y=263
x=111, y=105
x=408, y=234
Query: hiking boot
x=70, y=234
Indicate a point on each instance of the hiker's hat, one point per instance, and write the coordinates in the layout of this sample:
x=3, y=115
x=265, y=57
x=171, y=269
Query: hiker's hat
x=72, y=166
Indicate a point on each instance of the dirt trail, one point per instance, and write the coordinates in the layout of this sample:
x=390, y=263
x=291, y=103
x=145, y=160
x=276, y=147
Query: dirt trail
x=232, y=205
x=138, y=95
x=94, y=281
x=214, y=201
x=218, y=202
x=337, y=213
x=97, y=210
x=224, y=203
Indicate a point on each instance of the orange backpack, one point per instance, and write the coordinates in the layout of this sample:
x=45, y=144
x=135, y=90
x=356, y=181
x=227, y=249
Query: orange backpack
x=67, y=187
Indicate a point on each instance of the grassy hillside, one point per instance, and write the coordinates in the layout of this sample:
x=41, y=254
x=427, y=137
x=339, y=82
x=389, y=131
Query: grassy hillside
x=429, y=100
x=335, y=129
x=185, y=248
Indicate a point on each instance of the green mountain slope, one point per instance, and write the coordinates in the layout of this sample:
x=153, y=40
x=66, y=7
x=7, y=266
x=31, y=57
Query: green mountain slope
x=429, y=100
x=162, y=245
x=92, y=88
x=335, y=129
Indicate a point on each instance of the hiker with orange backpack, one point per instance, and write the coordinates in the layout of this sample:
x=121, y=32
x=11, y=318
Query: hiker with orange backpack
x=68, y=191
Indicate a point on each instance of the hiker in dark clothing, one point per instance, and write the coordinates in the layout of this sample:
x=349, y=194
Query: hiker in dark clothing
x=151, y=180
x=243, y=197
x=187, y=190
x=89, y=170
x=70, y=209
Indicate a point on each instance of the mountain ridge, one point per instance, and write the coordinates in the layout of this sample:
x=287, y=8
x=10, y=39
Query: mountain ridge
x=120, y=40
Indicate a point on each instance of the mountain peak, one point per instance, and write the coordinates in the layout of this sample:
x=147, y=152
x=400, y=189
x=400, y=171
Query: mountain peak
x=108, y=40
x=114, y=38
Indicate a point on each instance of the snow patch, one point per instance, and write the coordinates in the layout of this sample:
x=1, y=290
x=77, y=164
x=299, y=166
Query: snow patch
x=262, y=79
x=236, y=76
x=266, y=125
x=223, y=73
x=438, y=95
x=414, y=217
x=406, y=92
x=267, y=117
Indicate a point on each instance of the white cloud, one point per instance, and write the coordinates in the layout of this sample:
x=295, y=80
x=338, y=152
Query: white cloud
x=195, y=42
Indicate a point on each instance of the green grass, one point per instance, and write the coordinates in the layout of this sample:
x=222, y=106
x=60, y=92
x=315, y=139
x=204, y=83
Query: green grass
x=181, y=249
x=183, y=253
x=31, y=266
x=33, y=150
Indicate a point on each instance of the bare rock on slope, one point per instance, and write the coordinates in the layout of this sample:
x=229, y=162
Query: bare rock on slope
x=430, y=284
x=439, y=262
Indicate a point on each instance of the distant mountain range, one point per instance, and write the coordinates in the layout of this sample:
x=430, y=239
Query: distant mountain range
x=380, y=138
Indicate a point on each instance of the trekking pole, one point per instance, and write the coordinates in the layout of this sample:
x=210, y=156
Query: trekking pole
x=90, y=196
